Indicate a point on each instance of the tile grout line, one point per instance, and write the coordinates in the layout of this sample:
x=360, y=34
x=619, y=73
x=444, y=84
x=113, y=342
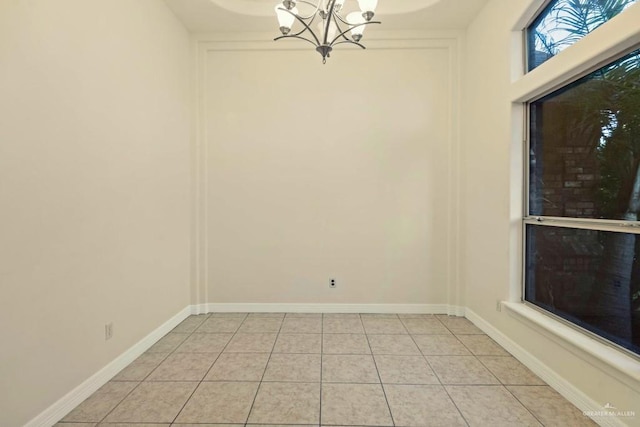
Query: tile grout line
x=436, y=374
x=519, y=401
x=255, y=396
x=196, y=330
x=384, y=393
x=206, y=373
x=153, y=370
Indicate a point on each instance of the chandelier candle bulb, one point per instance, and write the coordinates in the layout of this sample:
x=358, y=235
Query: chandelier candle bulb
x=286, y=18
x=368, y=8
x=332, y=28
x=288, y=4
x=356, y=18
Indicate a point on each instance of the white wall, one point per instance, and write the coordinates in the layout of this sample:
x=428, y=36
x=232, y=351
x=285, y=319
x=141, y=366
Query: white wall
x=491, y=191
x=343, y=170
x=94, y=188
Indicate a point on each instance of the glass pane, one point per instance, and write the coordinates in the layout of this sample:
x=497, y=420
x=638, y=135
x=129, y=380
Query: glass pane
x=591, y=278
x=585, y=146
x=564, y=22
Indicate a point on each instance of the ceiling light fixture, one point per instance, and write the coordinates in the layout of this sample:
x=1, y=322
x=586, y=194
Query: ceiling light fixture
x=331, y=23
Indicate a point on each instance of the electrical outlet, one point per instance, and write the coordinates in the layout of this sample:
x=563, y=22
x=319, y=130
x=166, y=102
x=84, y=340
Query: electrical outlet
x=498, y=305
x=332, y=283
x=108, y=331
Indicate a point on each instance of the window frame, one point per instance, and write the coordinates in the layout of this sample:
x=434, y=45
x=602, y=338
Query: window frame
x=536, y=93
x=525, y=37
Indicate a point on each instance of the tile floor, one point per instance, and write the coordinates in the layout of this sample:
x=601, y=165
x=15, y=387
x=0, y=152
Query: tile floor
x=277, y=369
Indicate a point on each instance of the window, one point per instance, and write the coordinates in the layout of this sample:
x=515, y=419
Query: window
x=582, y=228
x=564, y=22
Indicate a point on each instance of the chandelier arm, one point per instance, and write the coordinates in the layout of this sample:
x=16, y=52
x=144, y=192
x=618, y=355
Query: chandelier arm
x=344, y=21
x=296, y=36
x=350, y=42
x=330, y=13
x=306, y=26
x=315, y=12
x=342, y=34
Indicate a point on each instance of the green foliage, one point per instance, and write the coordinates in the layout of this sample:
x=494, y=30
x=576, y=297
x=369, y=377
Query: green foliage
x=567, y=21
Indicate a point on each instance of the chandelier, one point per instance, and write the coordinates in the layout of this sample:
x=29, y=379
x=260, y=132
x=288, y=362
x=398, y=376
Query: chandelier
x=330, y=23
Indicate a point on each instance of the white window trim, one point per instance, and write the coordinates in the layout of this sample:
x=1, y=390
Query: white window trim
x=615, y=362
x=613, y=39
x=618, y=36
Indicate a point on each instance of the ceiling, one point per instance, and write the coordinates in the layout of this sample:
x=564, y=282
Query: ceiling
x=202, y=16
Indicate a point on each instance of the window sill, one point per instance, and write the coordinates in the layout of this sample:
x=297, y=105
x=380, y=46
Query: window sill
x=615, y=362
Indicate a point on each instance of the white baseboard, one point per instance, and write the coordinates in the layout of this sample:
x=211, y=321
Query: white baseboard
x=63, y=406
x=199, y=308
x=455, y=310
x=331, y=308
x=557, y=382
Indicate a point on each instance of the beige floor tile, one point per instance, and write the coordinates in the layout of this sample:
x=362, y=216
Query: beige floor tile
x=349, y=368
x=355, y=404
x=460, y=370
x=201, y=425
x=242, y=315
x=191, y=323
x=482, y=345
x=168, y=343
x=492, y=406
x=152, y=403
x=393, y=344
x=364, y=316
x=253, y=325
x=141, y=367
x=287, y=403
x=374, y=325
x=268, y=315
x=204, y=343
x=405, y=370
x=411, y=315
x=345, y=344
x=467, y=330
x=301, y=325
x=422, y=406
x=351, y=391
x=284, y=425
x=293, y=367
x=238, y=367
x=220, y=324
x=183, y=367
x=305, y=315
x=219, y=402
x=341, y=316
x=440, y=345
x=251, y=343
x=100, y=403
x=550, y=407
x=460, y=325
x=298, y=343
x=422, y=326
x=510, y=371
x=134, y=425
x=342, y=325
